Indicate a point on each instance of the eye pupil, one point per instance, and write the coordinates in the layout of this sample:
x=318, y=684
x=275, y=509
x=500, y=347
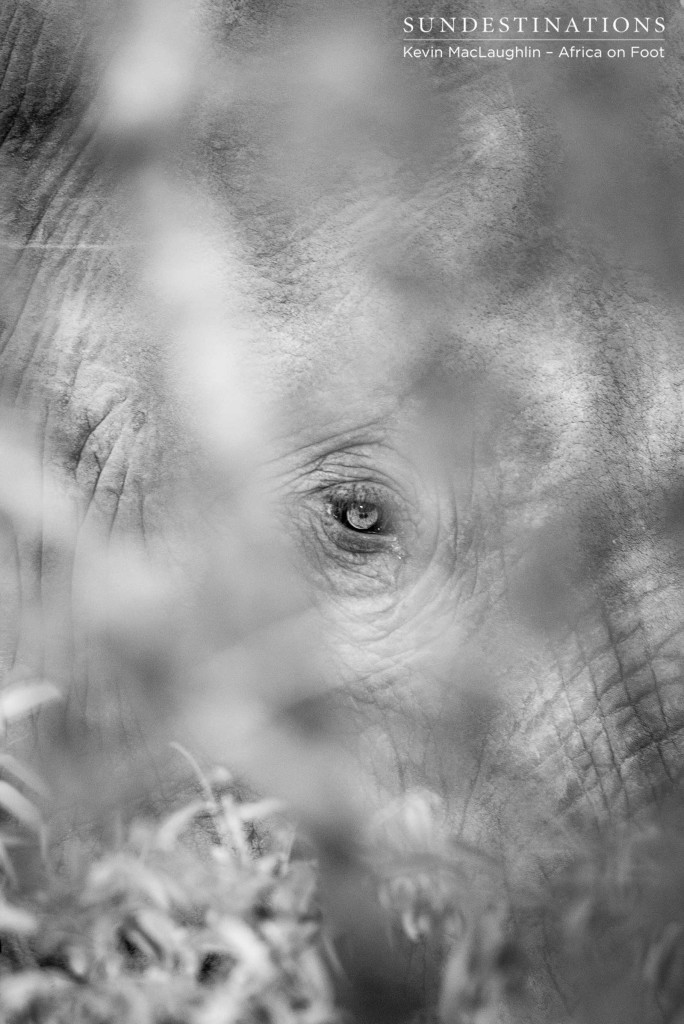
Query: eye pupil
x=361, y=515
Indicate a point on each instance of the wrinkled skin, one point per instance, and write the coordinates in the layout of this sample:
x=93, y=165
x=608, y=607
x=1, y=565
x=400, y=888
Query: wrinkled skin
x=473, y=329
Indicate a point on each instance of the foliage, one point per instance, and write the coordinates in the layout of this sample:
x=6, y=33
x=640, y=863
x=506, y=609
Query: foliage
x=186, y=921
x=211, y=915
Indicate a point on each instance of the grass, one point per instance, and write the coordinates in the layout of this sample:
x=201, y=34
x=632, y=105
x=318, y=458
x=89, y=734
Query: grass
x=216, y=914
x=189, y=920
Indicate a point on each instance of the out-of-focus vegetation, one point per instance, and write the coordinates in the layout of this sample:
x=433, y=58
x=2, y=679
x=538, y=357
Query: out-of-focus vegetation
x=216, y=913
x=152, y=929
x=228, y=909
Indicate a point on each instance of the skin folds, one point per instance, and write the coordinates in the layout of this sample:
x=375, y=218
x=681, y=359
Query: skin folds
x=461, y=340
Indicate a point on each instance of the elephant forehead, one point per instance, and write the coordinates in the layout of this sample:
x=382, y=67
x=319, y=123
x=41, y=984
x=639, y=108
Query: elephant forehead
x=565, y=387
x=393, y=227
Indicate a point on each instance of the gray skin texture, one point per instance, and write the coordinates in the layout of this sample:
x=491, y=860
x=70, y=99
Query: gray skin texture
x=464, y=281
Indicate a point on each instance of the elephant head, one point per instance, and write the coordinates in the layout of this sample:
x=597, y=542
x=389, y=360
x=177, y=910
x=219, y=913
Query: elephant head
x=450, y=290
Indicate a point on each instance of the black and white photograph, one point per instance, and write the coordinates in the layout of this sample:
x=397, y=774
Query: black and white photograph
x=341, y=512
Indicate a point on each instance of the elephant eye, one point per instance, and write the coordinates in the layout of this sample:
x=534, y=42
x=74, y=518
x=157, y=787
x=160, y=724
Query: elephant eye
x=361, y=515
x=362, y=511
x=357, y=533
x=364, y=516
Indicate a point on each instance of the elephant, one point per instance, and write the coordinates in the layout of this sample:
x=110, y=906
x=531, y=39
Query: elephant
x=450, y=291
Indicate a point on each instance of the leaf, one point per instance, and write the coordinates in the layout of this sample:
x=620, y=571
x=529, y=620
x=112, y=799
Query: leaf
x=122, y=875
x=159, y=931
x=259, y=809
x=244, y=945
x=18, y=991
x=6, y=864
x=20, y=700
x=19, y=808
x=176, y=823
x=15, y=921
x=11, y=766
